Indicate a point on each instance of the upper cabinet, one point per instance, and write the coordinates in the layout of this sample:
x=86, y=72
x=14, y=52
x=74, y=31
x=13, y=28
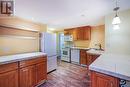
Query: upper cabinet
x=68, y=32
x=79, y=33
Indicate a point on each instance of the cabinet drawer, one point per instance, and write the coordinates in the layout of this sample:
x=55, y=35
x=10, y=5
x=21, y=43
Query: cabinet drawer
x=32, y=61
x=8, y=67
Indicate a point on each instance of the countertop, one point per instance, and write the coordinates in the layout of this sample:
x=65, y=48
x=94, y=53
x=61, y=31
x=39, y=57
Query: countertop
x=84, y=48
x=95, y=52
x=19, y=57
x=116, y=65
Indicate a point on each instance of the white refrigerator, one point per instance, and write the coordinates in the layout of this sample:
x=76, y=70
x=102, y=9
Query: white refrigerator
x=48, y=45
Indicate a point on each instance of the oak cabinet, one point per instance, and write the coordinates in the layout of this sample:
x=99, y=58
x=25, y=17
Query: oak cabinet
x=91, y=58
x=68, y=32
x=87, y=33
x=86, y=58
x=9, y=75
x=83, y=57
x=41, y=69
x=33, y=72
x=28, y=76
x=9, y=79
x=79, y=33
x=102, y=80
x=82, y=33
x=26, y=73
x=75, y=32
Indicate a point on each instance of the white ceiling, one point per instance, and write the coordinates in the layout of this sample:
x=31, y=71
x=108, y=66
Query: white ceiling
x=67, y=13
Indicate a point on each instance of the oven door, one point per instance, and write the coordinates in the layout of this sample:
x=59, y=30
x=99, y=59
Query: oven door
x=65, y=55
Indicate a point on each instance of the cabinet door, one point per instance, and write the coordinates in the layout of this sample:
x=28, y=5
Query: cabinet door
x=102, y=80
x=80, y=33
x=91, y=58
x=75, y=34
x=83, y=57
x=87, y=33
x=68, y=32
x=28, y=76
x=41, y=69
x=9, y=79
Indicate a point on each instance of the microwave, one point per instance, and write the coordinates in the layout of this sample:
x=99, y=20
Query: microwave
x=68, y=38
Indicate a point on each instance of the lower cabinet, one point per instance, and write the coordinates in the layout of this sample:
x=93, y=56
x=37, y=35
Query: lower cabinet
x=41, y=71
x=83, y=57
x=28, y=76
x=102, y=80
x=26, y=73
x=33, y=72
x=86, y=58
x=9, y=79
x=91, y=58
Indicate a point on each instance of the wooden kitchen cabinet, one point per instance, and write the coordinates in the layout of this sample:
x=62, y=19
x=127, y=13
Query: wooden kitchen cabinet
x=79, y=33
x=75, y=32
x=33, y=72
x=91, y=58
x=84, y=33
x=9, y=79
x=102, y=80
x=41, y=71
x=9, y=75
x=87, y=33
x=28, y=76
x=68, y=32
x=26, y=73
x=83, y=57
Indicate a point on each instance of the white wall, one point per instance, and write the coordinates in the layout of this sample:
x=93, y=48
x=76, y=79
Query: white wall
x=118, y=41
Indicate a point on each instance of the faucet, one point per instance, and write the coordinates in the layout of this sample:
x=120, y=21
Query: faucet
x=99, y=45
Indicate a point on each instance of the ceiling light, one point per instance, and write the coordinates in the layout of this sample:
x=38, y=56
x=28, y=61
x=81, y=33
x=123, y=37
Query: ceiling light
x=52, y=29
x=116, y=27
x=116, y=19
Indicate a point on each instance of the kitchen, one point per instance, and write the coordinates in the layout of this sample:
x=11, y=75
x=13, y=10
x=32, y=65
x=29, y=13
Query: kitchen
x=64, y=44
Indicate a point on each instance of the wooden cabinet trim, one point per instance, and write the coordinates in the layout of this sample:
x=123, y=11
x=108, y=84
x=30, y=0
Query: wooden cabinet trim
x=8, y=67
x=30, y=62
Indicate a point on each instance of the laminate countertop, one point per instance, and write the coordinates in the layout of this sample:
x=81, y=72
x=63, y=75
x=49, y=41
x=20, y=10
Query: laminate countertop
x=95, y=52
x=116, y=65
x=80, y=48
x=19, y=57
